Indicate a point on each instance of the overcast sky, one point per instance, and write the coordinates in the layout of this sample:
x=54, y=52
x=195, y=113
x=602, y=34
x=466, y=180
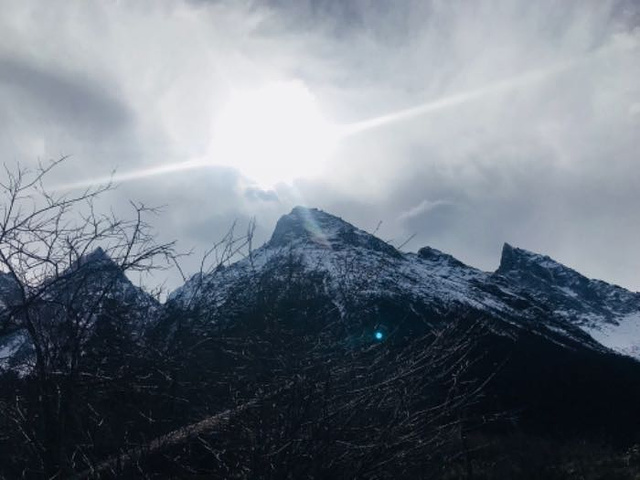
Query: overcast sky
x=527, y=128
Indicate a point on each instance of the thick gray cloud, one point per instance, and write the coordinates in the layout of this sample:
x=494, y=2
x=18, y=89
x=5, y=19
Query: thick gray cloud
x=528, y=129
x=69, y=99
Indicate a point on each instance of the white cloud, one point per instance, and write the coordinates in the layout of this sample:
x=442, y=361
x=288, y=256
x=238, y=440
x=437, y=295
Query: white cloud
x=423, y=208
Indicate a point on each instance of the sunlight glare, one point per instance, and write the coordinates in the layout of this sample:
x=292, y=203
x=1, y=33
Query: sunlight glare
x=273, y=134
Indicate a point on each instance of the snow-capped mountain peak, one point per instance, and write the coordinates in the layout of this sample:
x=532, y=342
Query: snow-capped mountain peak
x=307, y=225
x=568, y=290
x=609, y=313
x=515, y=259
x=311, y=225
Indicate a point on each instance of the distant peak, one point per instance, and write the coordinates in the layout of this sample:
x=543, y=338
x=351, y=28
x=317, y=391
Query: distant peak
x=508, y=257
x=315, y=226
x=308, y=224
x=309, y=216
x=303, y=212
x=514, y=259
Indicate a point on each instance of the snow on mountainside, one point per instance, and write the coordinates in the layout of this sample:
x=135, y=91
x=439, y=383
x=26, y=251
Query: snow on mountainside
x=623, y=336
x=609, y=313
x=350, y=259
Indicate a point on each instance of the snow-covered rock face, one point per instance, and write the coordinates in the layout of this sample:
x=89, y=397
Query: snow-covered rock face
x=609, y=313
x=568, y=291
x=310, y=225
x=623, y=336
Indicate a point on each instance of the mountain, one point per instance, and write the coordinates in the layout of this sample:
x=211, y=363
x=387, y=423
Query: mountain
x=609, y=313
x=95, y=279
x=528, y=291
x=92, y=290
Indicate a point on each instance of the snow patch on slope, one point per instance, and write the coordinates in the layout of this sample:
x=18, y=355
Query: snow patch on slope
x=623, y=338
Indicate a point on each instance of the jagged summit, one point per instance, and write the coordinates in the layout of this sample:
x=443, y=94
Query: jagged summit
x=307, y=224
x=514, y=259
x=96, y=259
x=316, y=227
x=608, y=312
x=535, y=270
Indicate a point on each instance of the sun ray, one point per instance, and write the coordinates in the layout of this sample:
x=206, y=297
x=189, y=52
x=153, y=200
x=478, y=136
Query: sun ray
x=134, y=174
x=502, y=86
x=498, y=87
x=311, y=224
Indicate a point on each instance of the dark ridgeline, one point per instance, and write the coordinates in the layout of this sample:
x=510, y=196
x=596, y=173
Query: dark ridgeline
x=328, y=353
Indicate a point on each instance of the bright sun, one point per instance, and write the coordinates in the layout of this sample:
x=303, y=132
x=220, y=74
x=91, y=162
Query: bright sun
x=273, y=134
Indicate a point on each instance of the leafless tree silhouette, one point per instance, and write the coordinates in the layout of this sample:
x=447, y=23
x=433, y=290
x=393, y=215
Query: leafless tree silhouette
x=64, y=260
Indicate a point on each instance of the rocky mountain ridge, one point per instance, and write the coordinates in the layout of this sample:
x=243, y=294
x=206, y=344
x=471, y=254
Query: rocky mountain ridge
x=528, y=290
